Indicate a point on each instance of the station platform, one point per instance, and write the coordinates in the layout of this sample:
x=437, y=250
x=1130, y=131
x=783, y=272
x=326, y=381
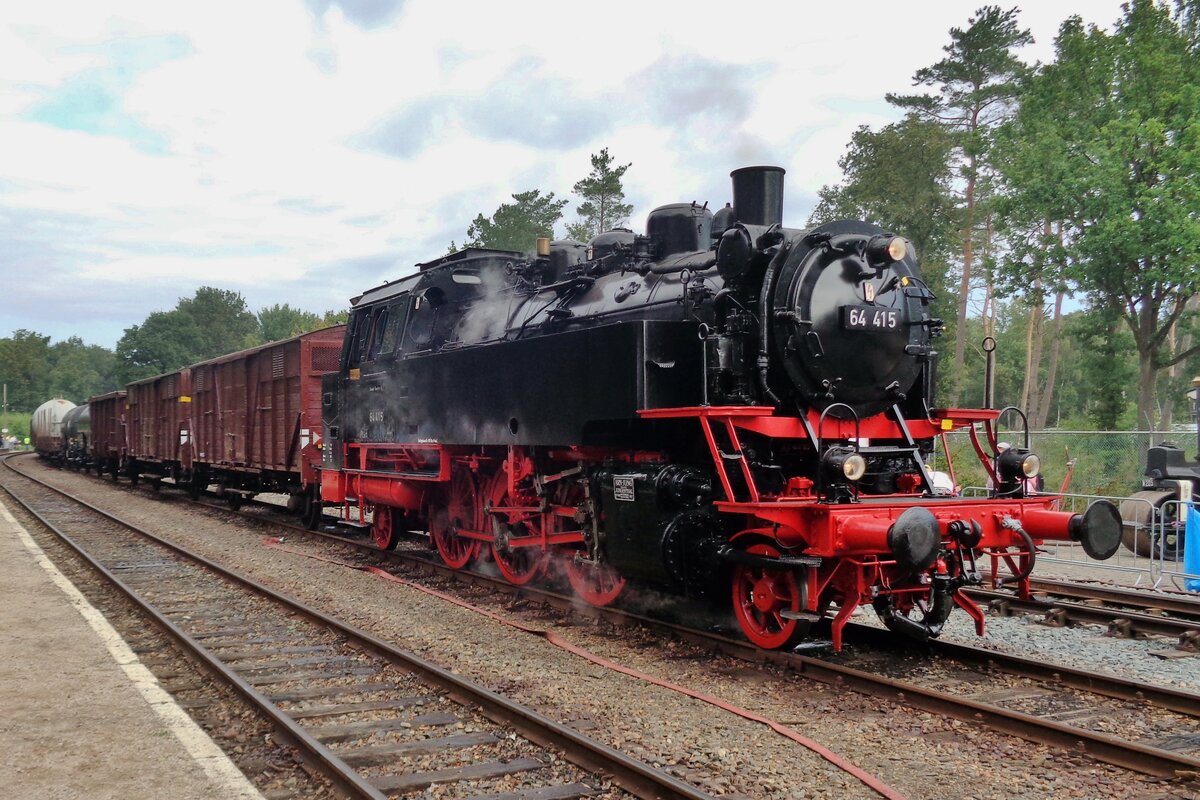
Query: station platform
x=80, y=715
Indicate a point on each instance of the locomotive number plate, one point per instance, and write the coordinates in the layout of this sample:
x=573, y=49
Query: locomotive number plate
x=870, y=318
x=623, y=489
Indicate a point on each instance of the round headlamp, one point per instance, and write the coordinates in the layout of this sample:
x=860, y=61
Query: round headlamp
x=1018, y=464
x=845, y=465
x=885, y=248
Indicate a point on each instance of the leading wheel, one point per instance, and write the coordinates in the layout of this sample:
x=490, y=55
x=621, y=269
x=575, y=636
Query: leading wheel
x=761, y=596
x=597, y=584
x=383, y=529
x=517, y=520
x=460, y=511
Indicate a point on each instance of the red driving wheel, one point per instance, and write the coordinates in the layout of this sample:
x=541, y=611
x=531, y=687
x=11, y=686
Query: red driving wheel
x=383, y=529
x=461, y=510
x=518, y=563
x=597, y=584
x=761, y=595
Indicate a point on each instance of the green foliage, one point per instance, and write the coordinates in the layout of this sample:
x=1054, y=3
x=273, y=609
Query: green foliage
x=1109, y=369
x=899, y=178
x=35, y=370
x=977, y=79
x=335, y=317
x=78, y=370
x=210, y=323
x=975, y=87
x=224, y=322
x=602, y=208
x=517, y=226
x=165, y=341
x=24, y=360
x=281, y=321
x=1108, y=140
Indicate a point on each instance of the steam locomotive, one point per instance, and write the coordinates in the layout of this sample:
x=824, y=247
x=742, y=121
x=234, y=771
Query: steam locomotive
x=722, y=406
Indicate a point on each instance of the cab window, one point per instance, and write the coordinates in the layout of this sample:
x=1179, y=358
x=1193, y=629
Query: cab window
x=396, y=313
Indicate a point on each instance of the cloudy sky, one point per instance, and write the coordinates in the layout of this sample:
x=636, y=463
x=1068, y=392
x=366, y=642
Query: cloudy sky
x=301, y=151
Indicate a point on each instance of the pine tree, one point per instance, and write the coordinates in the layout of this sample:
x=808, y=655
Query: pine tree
x=975, y=84
x=602, y=208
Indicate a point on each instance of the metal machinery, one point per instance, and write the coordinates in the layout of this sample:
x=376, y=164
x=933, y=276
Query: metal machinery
x=1152, y=524
x=723, y=406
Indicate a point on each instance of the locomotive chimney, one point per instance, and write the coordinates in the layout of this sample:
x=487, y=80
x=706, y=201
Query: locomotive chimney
x=758, y=195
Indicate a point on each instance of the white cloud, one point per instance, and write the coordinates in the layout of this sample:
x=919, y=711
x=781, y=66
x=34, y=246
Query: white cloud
x=231, y=143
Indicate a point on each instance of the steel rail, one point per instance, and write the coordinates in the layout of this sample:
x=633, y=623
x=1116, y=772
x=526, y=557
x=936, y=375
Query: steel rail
x=1103, y=747
x=630, y=774
x=341, y=774
x=1177, y=700
x=1137, y=621
x=1177, y=604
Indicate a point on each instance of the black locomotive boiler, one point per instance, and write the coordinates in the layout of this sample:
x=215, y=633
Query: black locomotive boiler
x=721, y=405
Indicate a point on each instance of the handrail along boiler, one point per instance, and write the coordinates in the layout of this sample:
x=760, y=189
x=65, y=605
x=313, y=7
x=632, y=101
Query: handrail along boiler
x=723, y=405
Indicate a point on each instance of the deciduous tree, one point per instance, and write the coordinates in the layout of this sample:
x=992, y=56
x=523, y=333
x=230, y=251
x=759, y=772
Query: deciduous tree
x=224, y=322
x=281, y=321
x=899, y=177
x=165, y=341
x=1110, y=144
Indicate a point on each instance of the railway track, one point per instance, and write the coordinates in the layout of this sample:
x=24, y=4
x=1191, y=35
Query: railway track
x=375, y=720
x=1125, y=613
x=1052, y=712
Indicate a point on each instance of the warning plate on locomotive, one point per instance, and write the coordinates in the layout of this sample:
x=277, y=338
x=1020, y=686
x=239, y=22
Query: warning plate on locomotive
x=870, y=318
x=623, y=489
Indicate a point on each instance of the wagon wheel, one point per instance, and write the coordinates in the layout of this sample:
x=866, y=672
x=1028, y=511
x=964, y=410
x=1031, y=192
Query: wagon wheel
x=384, y=530
x=1137, y=533
x=518, y=564
x=597, y=584
x=196, y=486
x=760, y=598
x=461, y=510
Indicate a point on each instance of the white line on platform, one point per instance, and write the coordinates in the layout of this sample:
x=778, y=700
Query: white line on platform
x=230, y=780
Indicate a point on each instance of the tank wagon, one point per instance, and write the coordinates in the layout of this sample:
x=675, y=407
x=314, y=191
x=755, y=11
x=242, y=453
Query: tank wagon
x=45, y=427
x=723, y=406
x=76, y=450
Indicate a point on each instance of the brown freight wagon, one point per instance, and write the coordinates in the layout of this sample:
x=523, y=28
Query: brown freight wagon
x=158, y=426
x=109, y=445
x=256, y=417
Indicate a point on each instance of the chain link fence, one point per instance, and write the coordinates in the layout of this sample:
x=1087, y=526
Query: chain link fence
x=1106, y=463
x=1101, y=465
